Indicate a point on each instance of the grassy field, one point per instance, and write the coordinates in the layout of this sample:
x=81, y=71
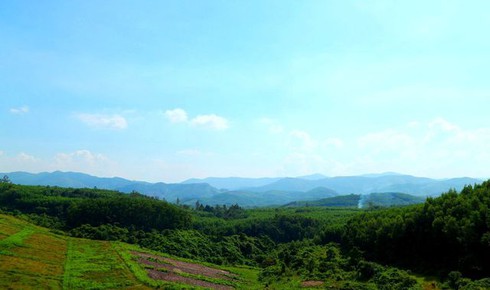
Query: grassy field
x=32, y=257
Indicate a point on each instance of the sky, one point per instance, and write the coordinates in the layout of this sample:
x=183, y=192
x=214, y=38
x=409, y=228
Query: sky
x=171, y=90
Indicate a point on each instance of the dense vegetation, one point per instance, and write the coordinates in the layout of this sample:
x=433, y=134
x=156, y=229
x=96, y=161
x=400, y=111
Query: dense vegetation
x=448, y=237
x=70, y=208
x=451, y=232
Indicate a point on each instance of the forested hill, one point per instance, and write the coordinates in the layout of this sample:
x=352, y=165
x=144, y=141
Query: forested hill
x=252, y=191
x=75, y=207
x=375, y=199
x=451, y=232
x=447, y=237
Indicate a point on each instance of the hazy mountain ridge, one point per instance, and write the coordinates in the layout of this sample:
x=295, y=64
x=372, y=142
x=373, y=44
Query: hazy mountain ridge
x=268, y=198
x=271, y=191
x=420, y=186
x=233, y=183
x=167, y=191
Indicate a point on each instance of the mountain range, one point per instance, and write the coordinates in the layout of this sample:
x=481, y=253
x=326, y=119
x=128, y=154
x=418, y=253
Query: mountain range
x=253, y=192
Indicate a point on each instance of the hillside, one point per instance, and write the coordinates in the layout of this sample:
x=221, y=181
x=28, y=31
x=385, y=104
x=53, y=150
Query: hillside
x=381, y=199
x=169, y=192
x=343, y=248
x=261, y=199
x=251, y=192
x=33, y=257
x=351, y=200
x=233, y=183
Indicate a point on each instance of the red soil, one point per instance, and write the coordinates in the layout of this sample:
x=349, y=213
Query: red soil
x=173, y=267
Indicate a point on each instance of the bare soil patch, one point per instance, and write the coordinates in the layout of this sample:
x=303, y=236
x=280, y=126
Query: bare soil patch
x=171, y=269
x=312, y=283
x=172, y=277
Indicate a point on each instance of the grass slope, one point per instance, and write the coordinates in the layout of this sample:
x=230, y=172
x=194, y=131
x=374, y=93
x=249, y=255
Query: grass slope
x=32, y=257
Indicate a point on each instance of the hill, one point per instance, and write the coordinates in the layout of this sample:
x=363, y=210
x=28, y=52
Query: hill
x=347, y=248
x=408, y=184
x=261, y=199
x=252, y=192
x=382, y=199
x=351, y=200
x=233, y=183
x=169, y=192
x=33, y=257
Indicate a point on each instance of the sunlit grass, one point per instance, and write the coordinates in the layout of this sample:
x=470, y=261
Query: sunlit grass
x=15, y=240
x=95, y=264
x=30, y=258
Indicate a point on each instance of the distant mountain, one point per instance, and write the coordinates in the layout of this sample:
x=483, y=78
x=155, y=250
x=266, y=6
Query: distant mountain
x=169, y=192
x=239, y=183
x=420, y=186
x=384, y=199
x=312, y=177
x=233, y=183
x=172, y=192
x=259, y=199
x=68, y=179
x=256, y=191
x=290, y=183
x=380, y=174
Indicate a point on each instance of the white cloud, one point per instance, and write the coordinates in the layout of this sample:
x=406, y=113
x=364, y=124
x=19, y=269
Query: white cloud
x=77, y=161
x=194, y=153
x=442, y=124
x=19, y=162
x=386, y=140
x=176, y=115
x=20, y=111
x=212, y=121
x=296, y=164
x=272, y=126
x=80, y=157
x=301, y=140
x=24, y=157
x=104, y=121
x=83, y=160
x=335, y=142
x=437, y=148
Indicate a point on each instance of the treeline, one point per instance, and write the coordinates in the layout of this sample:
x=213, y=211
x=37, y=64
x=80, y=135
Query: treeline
x=222, y=211
x=68, y=208
x=448, y=233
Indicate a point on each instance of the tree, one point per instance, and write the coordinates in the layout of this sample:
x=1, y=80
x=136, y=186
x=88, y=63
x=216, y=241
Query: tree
x=5, y=179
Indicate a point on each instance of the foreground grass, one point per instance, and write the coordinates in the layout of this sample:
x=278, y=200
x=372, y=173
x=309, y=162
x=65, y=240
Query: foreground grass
x=96, y=265
x=32, y=257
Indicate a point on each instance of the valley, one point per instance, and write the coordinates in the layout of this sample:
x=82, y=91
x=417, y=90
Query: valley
x=79, y=238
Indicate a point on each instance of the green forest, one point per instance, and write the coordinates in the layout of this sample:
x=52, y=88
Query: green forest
x=445, y=240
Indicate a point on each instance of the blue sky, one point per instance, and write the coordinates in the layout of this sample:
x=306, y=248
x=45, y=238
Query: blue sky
x=169, y=90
